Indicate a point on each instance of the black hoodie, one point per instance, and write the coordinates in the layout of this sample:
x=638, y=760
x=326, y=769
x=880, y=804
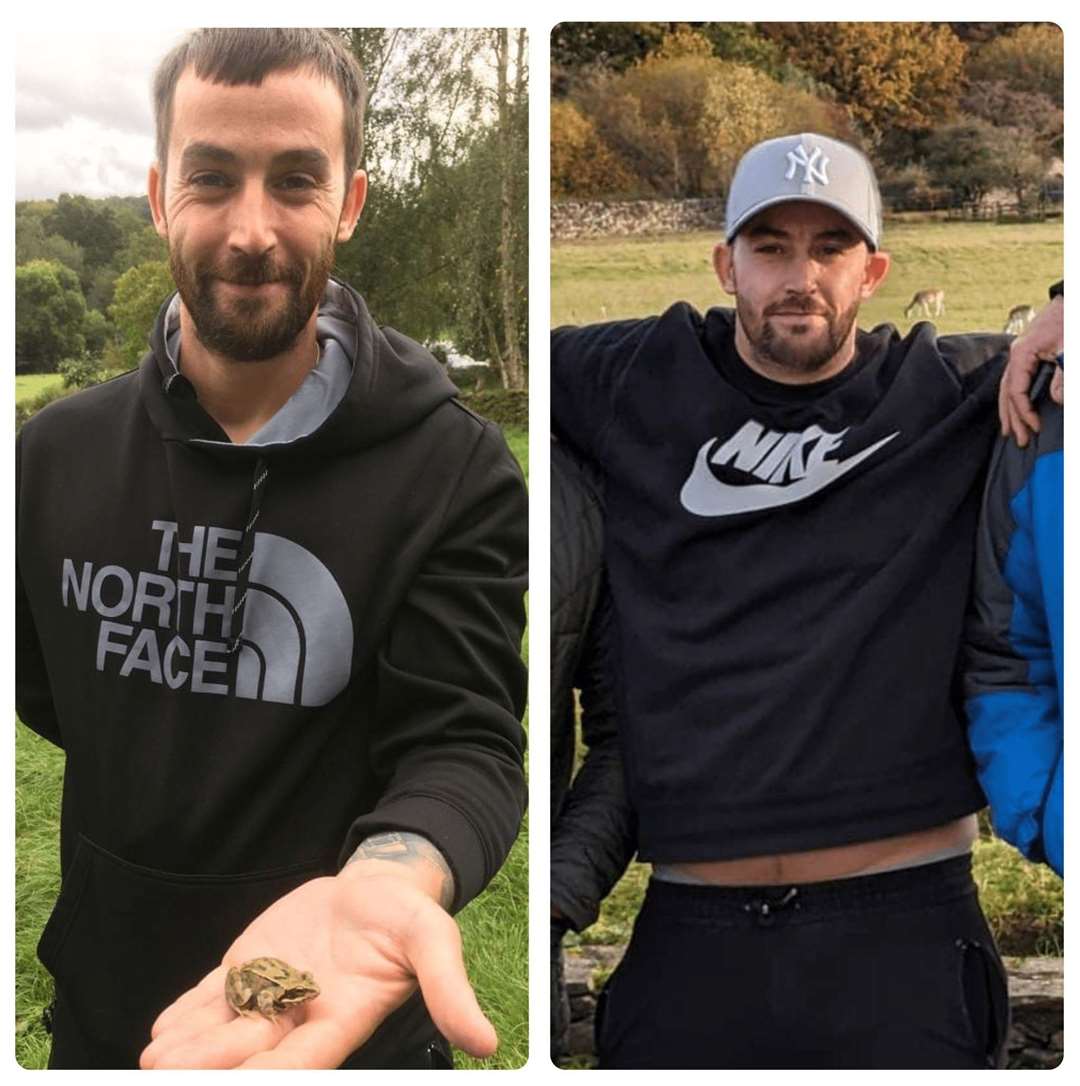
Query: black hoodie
x=344, y=658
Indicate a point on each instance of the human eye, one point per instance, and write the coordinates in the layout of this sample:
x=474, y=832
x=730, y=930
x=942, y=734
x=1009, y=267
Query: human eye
x=834, y=248
x=209, y=179
x=297, y=183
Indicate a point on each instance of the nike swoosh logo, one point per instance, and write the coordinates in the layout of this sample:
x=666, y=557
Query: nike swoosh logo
x=706, y=496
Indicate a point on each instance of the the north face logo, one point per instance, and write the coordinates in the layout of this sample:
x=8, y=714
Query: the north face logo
x=296, y=644
x=757, y=468
x=814, y=165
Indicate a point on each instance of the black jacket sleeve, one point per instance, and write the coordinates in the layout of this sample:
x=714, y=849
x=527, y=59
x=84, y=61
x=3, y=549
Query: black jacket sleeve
x=976, y=357
x=588, y=365
x=594, y=838
x=33, y=693
x=451, y=681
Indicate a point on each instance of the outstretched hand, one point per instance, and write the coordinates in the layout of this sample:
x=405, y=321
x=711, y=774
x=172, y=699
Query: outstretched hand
x=1042, y=342
x=369, y=938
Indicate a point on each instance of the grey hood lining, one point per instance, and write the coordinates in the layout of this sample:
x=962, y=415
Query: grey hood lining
x=322, y=389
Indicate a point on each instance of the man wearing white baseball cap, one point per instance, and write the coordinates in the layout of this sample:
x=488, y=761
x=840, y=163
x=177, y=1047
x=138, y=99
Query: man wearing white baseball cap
x=790, y=515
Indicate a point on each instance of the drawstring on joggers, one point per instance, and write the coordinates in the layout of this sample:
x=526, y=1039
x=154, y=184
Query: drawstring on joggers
x=765, y=910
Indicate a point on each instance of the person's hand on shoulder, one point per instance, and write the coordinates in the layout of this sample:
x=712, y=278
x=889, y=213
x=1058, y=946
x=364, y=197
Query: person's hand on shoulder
x=1042, y=342
x=368, y=936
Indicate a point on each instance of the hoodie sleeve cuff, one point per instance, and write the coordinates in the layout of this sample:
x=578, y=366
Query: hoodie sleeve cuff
x=447, y=828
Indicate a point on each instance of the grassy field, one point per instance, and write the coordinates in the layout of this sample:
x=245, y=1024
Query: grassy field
x=985, y=269
x=494, y=927
x=31, y=384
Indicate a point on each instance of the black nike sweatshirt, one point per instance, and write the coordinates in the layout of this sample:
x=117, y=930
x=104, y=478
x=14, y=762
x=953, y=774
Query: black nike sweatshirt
x=789, y=567
x=255, y=656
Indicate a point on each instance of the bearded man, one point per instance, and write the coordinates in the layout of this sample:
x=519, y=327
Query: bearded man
x=270, y=603
x=790, y=510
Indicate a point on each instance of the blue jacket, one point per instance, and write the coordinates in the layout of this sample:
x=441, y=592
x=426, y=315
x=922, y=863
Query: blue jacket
x=1013, y=660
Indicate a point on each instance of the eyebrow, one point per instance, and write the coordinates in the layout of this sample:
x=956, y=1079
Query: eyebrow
x=308, y=157
x=838, y=234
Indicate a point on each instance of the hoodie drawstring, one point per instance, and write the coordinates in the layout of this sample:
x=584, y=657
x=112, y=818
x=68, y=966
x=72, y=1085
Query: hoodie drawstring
x=247, y=552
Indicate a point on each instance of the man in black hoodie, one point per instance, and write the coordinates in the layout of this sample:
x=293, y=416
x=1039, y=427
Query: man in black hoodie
x=270, y=603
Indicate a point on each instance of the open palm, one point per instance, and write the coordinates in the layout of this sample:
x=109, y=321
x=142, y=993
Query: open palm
x=368, y=941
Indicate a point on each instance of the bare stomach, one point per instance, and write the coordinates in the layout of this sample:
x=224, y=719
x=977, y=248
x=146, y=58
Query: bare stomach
x=817, y=865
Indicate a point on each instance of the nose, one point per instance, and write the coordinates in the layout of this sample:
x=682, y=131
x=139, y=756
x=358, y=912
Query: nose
x=802, y=275
x=251, y=220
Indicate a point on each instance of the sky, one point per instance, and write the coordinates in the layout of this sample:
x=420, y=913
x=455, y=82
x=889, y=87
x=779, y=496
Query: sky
x=83, y=122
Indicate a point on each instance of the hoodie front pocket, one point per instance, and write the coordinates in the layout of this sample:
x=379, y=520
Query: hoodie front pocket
x=124, y=941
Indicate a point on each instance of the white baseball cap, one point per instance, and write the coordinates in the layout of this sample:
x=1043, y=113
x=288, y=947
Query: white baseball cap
x=808, y=167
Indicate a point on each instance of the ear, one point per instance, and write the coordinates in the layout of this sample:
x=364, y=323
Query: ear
x=155, y=191
x=877, y=267
x=354, y=204
x=723, y=258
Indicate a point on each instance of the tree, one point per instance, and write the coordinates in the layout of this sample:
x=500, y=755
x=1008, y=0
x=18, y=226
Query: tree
x=33, y=243
x=963, y=156
x=1031, y=59
x=91, y=224
x=426, y=254
x=512, y=143
x=478, y=294
x=974, y=34
x=141, y=246
x=888, y=75
x=582, y=164
x=680, y=119
x=1022, y=162
x=423, y=109
x=611, y=46
x=744, y=43
x=1032, y=113
x=138, y=296
x=95, y=331
x=49, y=316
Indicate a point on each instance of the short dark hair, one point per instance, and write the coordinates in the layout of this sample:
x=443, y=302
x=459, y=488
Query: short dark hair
x=246, y=55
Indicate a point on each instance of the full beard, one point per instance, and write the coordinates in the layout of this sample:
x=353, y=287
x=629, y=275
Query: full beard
x=802, y=353
x=257, y=328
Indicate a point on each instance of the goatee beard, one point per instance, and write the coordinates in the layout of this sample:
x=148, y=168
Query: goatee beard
x=787, y=352
x=257, y=328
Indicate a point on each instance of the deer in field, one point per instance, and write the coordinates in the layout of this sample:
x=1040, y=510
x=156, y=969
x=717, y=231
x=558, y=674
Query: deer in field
x=927, y=301
x=1020, y=317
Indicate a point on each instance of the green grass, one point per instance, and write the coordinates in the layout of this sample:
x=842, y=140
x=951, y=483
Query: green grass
x=517, y=437
x=984, y=268
x=494, y=926
x=39, y=768
x=28, y=385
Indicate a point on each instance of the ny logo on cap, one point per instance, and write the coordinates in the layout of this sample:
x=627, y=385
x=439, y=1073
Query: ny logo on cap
x=812, y=170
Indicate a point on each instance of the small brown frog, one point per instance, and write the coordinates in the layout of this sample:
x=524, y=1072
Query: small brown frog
x=267, y=986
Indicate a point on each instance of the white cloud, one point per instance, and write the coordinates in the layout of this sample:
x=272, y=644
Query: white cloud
x=83, y=118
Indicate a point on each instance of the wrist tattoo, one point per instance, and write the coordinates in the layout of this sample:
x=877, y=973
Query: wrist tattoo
x=411, y=849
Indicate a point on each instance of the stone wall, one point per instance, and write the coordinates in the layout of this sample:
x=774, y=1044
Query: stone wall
x=1036, y=1039
x=590, y=219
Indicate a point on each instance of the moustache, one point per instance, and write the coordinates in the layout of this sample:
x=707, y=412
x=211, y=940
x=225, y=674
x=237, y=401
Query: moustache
x=254, y=272
x=799, y=306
